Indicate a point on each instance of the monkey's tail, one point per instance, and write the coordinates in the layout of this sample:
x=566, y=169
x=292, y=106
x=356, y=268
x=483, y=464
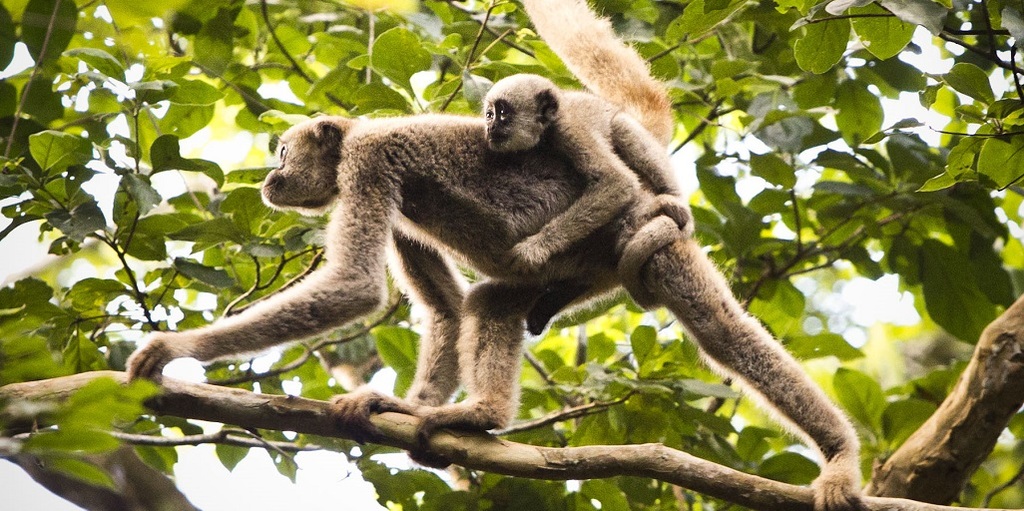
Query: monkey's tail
x=603, y=63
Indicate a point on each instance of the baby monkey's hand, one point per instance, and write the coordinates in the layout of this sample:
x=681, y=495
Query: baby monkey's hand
x=528, y=256
x=675, y=208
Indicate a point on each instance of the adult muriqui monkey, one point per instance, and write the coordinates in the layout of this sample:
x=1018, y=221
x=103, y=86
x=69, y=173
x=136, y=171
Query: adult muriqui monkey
x=430, y=184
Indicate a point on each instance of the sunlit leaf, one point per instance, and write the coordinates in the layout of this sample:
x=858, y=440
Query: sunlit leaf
x=883, y=36
x=822, y=45
x=861, y=396
x=860, y=112
x=56, y=150
x=970, y=80
x=49, y=25
x=398, y=54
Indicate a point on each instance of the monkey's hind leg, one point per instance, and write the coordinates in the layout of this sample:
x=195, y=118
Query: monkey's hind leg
x=681, y=277
x=489, y=355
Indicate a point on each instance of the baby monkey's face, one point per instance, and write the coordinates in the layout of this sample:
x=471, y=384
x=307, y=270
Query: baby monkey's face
x=306, y=178
x=517, y=112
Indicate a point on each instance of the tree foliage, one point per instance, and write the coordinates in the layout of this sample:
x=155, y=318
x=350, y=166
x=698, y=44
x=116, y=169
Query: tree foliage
x=810, y=177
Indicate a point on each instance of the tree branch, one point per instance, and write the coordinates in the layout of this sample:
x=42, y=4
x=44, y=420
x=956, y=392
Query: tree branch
x=936, y=461
x=479, y=451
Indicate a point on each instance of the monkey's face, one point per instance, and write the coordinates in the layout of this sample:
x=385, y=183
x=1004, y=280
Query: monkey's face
x=510, y=129
x=306, y=178
x=518, y=110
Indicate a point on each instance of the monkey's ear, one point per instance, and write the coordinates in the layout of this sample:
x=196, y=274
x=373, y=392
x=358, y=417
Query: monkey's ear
x=547, y=105
x=327, y=134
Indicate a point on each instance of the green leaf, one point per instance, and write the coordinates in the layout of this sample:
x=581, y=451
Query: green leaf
x=91, y=293
x=939, y=182
x=100, y=60
x=789, y=467
x=55, y=150
x=230, y=455
x=215, y=41
x=773, y=169
x=218, y=230
x=607, y=493
x=861, y=396
x=212, y=276
x=1002, y=161
x=951, y=296
x=902, y=418
x=7, y=38
x=644, y=341
x=245, y=205
x=83, y=220
x=822, y=45
x=195, y=92
x=81, y=470
x=1013, y=22
x=397, y=348
x=884, y=37
x=131, y=12
x=807, y=347
x=398, y=54
x=697, y=20
x=185, y=120
x=69, y=438
x=970, y=80
x=926, y=13
x=153, y=91
x=859, y=113
x=165, y=154
x=146, y=197
x=43, y=26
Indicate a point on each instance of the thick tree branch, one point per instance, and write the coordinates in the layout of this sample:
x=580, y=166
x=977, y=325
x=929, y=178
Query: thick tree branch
x=938, y=459
x=472, y=450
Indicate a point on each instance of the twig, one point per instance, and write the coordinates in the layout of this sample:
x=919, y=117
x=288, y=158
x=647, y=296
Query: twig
x=280, y=45
x=230, y=310
x=981, y=53
x=31, y=78
x=223, y=437
x=250, y=376
x=574, y=412
x=469, y=56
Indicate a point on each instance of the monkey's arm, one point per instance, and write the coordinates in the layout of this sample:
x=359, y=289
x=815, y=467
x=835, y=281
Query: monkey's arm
x=612, y=187
x=351, y=285
x=645, y=156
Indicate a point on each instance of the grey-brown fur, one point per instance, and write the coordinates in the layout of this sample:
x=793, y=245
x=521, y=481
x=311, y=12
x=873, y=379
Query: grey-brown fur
x=608, y=148
x=430, y=184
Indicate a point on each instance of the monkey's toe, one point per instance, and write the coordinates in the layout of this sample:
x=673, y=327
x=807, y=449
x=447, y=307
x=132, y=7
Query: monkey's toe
x=149, y=361
x=351, y=413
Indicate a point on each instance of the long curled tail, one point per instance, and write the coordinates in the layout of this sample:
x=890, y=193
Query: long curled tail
x=603, y=63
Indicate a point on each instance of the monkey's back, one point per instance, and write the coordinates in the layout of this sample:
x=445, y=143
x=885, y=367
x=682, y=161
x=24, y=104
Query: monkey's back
x=459, y=195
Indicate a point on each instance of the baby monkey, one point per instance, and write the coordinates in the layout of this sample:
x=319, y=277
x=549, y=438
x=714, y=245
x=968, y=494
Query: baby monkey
x=607, y=146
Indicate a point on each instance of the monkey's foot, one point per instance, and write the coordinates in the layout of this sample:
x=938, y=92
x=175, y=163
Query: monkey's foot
x=838, y=488
x=466, y=415
x=675, y=208
x=352, y=411
x=149, y=361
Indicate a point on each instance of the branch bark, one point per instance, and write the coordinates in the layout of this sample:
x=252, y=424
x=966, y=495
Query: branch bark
x=472, y=450
x=935, y=463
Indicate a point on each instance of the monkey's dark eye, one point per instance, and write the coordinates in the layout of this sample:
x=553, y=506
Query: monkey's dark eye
x=283, y=153
x=489, y=114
